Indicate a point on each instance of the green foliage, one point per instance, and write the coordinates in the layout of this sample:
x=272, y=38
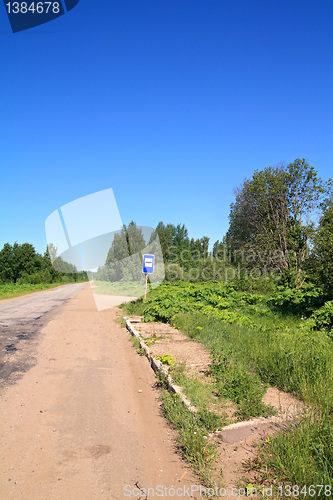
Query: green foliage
x=291, y=358
x=302, y=455
x=243, y=388
x=272, y=217
x=192, y=431
x=322, y=262
x=278, y=347
x=134, y=308
x=123, y=262
x=22, y=264
x=166, y=359
x=303, y=301
x=219, y=300
x=209, y=420
x=322, y=318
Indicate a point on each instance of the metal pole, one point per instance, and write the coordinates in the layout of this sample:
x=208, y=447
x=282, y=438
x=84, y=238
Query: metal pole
x=146, y=286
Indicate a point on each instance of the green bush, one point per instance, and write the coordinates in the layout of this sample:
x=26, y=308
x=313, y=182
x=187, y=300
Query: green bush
x=322, y=318
x=302, y=302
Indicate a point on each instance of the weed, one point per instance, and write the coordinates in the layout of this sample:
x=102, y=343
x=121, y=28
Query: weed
x=166, y=359
x=258, y=340
x=301, y=455
x=192, y=433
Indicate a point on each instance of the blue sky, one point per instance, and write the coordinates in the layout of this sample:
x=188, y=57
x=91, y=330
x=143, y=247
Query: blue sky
x=171, y=103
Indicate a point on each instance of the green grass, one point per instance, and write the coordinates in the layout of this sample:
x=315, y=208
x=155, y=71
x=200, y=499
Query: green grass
x=203, y=396
x=293, y=360
x=192, y=430
x=302, y=455
x=254, y=344
x=134, y=308
x=11, y=290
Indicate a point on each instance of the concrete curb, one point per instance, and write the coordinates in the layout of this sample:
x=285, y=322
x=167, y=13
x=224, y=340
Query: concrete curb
x=156, y=364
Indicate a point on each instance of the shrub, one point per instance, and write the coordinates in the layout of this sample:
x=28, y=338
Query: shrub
x=322, y=318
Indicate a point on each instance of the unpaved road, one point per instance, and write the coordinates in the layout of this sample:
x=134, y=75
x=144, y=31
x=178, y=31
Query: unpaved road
x=80, y=419
x=21, y=320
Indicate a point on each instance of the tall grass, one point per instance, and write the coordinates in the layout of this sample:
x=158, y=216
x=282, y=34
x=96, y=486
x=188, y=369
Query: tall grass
x=296, y=361
x=302, y=455
x=292, y=360
x=250, y=338
x=192, y=430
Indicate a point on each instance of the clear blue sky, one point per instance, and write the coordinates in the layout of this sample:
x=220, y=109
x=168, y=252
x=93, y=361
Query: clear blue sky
x=171, y=103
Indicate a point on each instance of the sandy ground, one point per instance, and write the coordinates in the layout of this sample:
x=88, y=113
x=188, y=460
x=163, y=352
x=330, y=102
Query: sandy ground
x=84, y=422
x=106, y=301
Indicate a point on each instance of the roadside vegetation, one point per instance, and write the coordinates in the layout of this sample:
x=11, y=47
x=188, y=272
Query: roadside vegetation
x=255, y=342
x=9, y=291
x=23, y=270
x=262, y=303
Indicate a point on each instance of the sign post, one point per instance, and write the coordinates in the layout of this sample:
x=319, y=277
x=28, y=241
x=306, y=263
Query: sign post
x=148, y=268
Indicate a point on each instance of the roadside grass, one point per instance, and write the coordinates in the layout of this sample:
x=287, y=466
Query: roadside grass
x=193, y=433
x=11, y=290
x=134, y=308
x=202, y=395
x=136, y=344
x=253, y=345
x=192, y=430
x=292, y=360
x=301, y=456
x=120, y=321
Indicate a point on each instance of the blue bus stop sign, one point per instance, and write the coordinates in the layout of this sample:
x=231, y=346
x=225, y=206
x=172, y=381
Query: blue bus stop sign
x=148, y=264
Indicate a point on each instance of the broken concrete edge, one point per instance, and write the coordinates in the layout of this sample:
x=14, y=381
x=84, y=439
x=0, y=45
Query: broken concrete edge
x=156, y=364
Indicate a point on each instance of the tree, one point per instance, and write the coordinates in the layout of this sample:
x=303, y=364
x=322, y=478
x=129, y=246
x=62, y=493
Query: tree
x=165, y=234
x=122, y=259
x=16, y=260
x=272, y=220
x=323, y=252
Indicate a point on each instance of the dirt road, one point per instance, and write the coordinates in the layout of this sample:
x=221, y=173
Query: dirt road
x=83, y=420
x=21, y=320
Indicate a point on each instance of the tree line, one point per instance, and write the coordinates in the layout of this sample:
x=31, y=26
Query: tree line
x=22, y=264
x=280, y=232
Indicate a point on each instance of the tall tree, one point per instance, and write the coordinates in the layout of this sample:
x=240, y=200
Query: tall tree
x=165, y=234
x=121, y=262
x=323, y=252
x=273, y=217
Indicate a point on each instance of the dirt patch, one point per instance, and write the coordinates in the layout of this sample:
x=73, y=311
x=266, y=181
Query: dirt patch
x=168, y=340
x=164, y=339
